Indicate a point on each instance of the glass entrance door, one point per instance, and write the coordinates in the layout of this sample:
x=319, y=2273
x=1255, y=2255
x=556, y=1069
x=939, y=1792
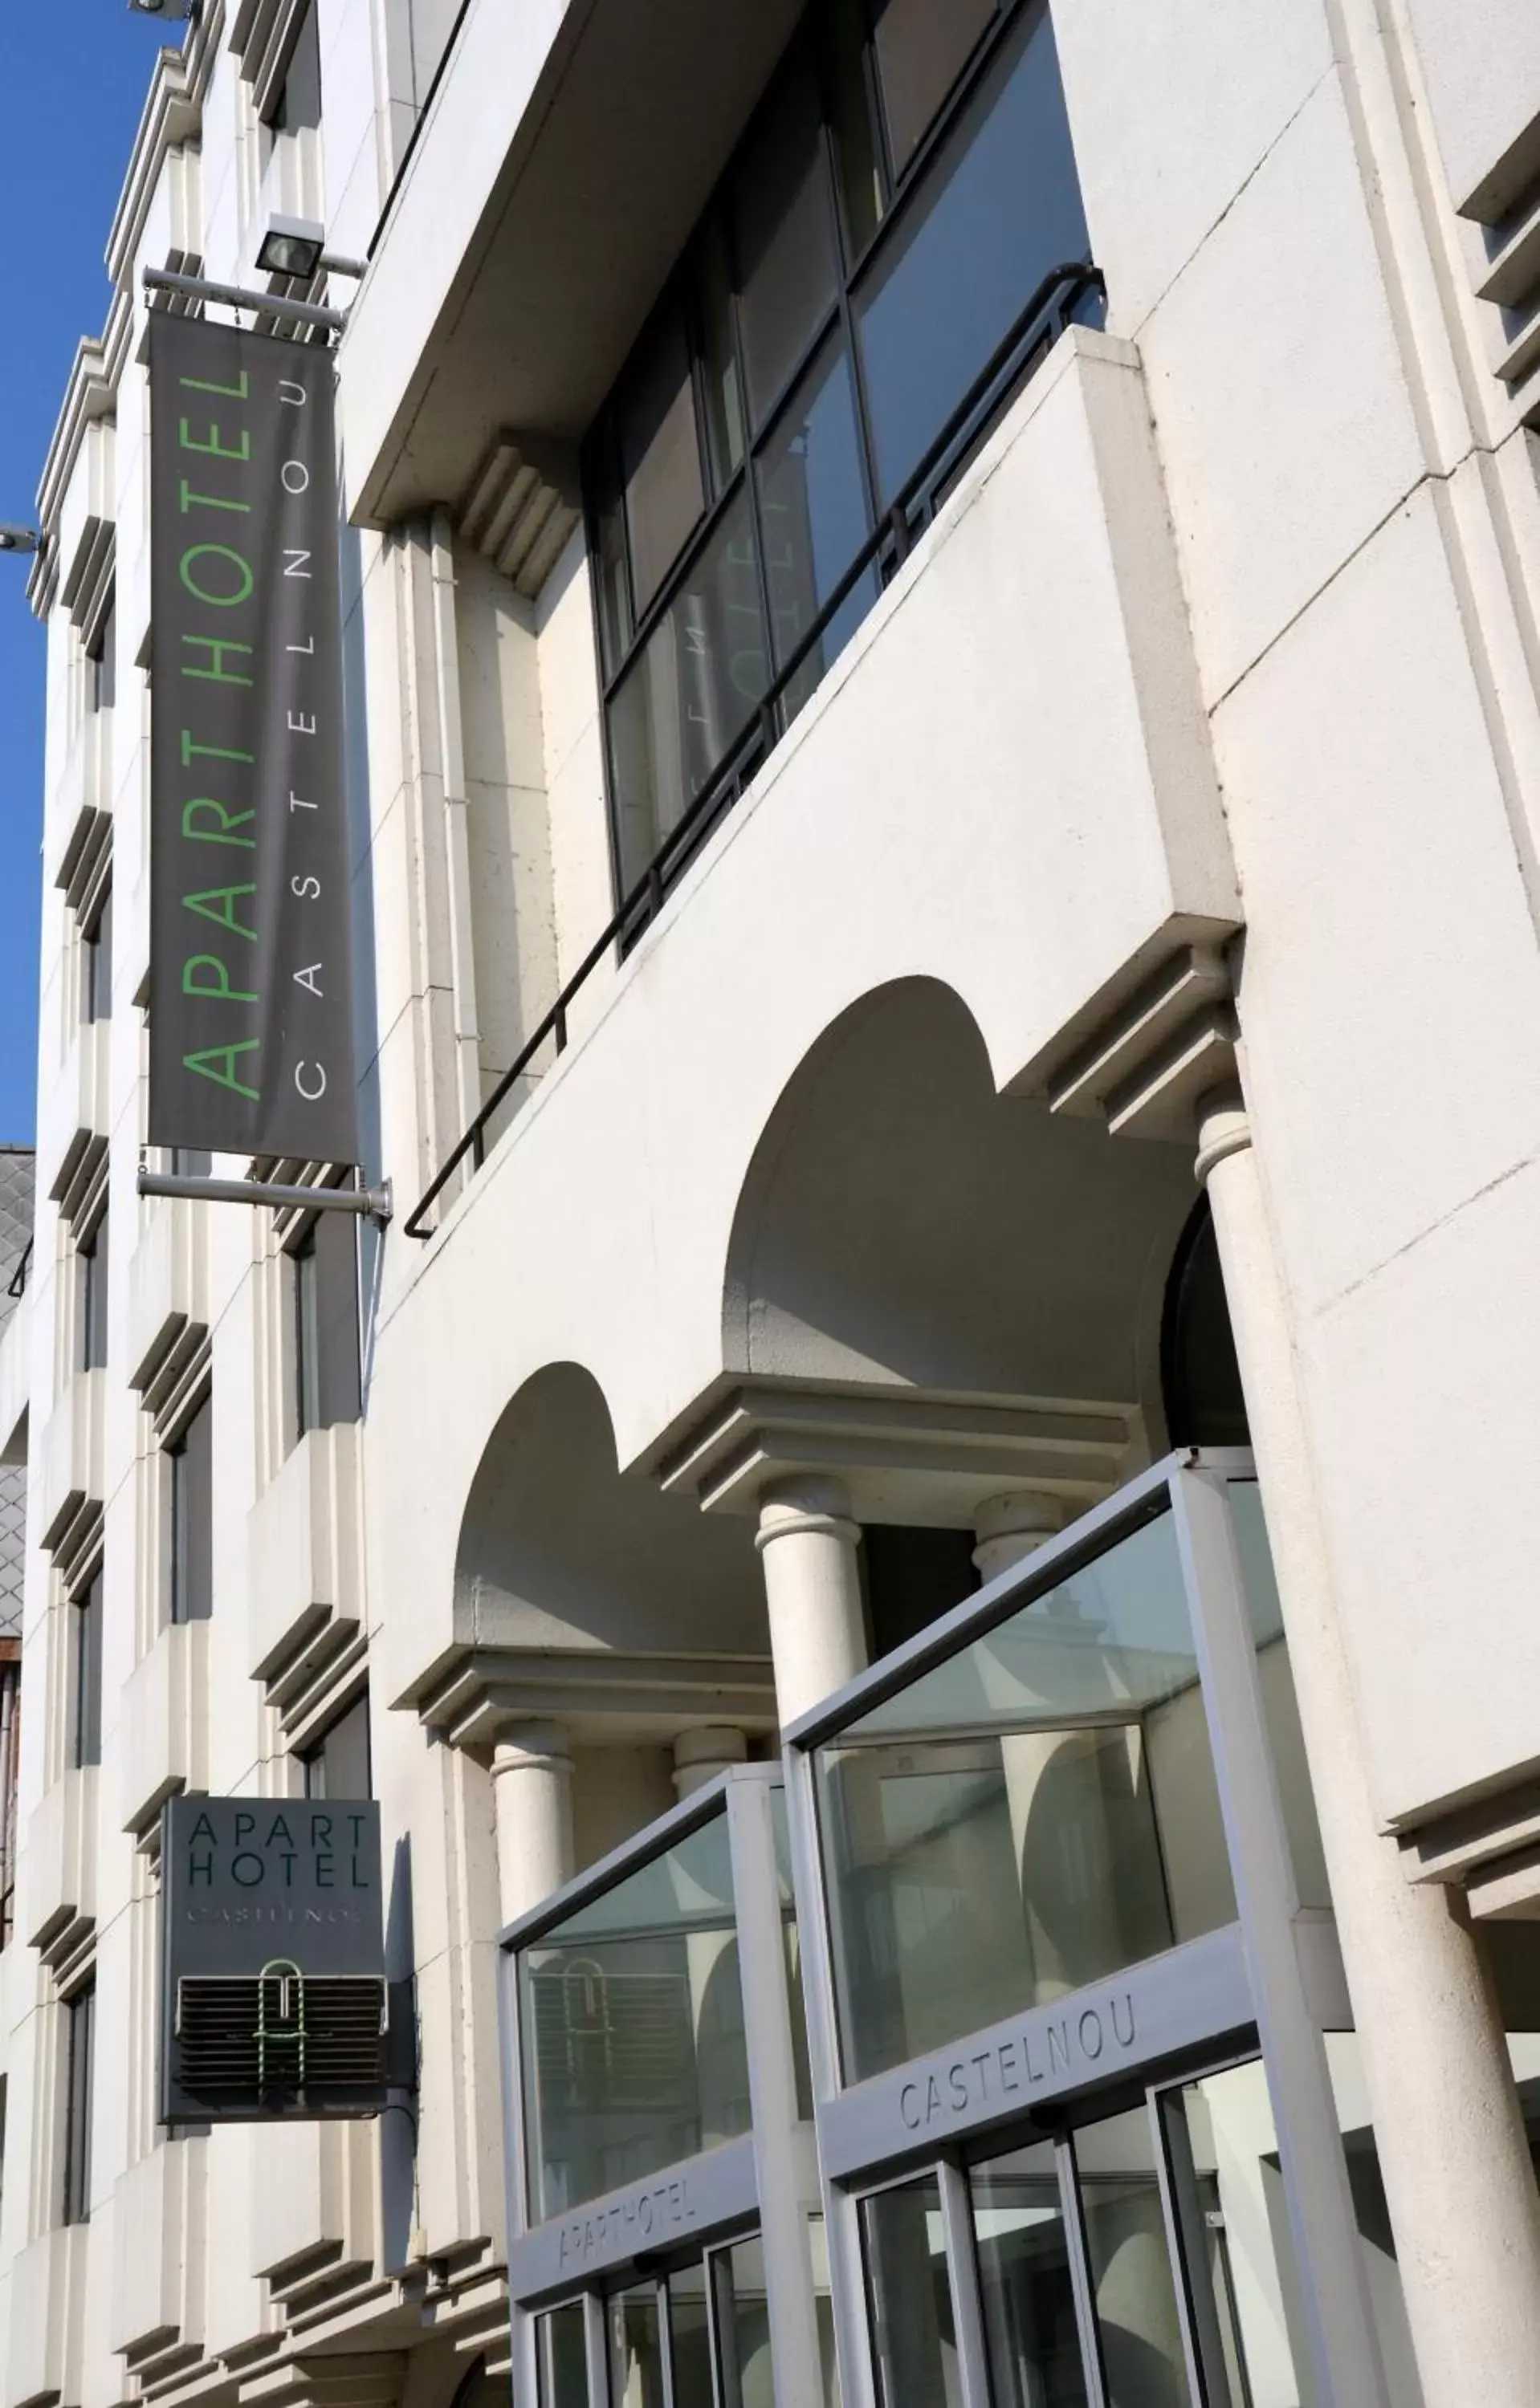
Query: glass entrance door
x=1138, y=2261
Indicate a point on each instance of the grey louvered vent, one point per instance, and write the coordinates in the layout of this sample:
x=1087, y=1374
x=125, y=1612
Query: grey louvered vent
x=280, y=2044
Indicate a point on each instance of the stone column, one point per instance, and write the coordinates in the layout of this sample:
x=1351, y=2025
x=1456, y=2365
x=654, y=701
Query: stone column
x=1458, y=2178
x=699, y=1755
x=532, y=1786
x=808, y=1540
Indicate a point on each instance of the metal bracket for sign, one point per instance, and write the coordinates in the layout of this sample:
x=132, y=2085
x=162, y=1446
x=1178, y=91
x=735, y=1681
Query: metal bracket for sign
x=374, y=1201
x=273, y=305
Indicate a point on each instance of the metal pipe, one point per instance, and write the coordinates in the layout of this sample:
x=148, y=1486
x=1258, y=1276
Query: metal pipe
x=375, y=1201
x=197, y=288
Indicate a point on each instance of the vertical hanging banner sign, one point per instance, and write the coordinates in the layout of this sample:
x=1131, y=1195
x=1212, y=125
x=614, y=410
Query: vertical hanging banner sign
x=250, y=1006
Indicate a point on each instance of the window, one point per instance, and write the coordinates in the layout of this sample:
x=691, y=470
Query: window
x=340, y=1765
x=102, y=664
x=325, y=1274
x=94, y=1259
x=80, y=2053
x=297, y=107
x=193, y=1519
x=86, y=1716
x=873, y=265
x=96, y=983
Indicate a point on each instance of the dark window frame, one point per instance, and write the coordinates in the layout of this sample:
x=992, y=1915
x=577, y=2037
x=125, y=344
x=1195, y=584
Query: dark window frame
x=93, y=1255
x=602, y=459
x=191, y=1563
x=313, y=1759
x=96, y=963
x=79, y=2093
x=85, y=1720
x=325, y=1382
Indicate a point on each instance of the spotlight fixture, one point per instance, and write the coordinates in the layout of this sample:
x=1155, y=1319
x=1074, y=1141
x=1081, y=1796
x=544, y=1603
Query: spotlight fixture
x=19, y=539
x=179, y=11
x=290, y=247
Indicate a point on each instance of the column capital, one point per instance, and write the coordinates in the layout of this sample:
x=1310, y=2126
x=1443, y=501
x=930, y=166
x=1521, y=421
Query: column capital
x=1224, y=1127
x=811, y=1501
x=701, y=1753
x=532, y=1747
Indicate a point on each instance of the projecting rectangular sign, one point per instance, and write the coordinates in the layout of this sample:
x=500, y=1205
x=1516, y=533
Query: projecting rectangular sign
x=251, y=1035
x=274, y=1997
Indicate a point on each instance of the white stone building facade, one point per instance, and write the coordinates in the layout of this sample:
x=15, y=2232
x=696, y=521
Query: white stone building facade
x=940, y=604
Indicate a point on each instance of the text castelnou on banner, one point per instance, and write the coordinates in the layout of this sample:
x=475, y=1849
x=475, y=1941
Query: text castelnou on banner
x=251, y=1037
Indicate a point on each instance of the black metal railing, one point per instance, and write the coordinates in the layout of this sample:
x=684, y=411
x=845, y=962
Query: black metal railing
x=16, y=1285
x=1063, y=292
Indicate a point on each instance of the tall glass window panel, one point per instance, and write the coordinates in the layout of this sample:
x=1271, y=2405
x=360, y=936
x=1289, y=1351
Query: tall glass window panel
x=1133, y=2288
x=96, y=1001
x=784, y=236
x=1024, y=2282
x=660, y=456
x=193, y=1519
x=813, y=516
x=823, y=2310
x=636, y=2349
x=1031, y=1814
x=561, y=2358
x=612, y=575
x=87, y=1716
x=858, y=160
x=307, y=1338
x=79, y=2083
x=743, y=2325
x=921, y=52
x=995, y=213
x=689, y=2338
x=339, y=1764
x=690, y=693
x=1243, y=2286
x=95, y=1260
x=909, y=2298
x=723, y=405
x=632, y=2027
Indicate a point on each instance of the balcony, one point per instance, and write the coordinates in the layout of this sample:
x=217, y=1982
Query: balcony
x=47, y=2318
x=306, y=1578
x=564, y=159
x=164, y=1725
x=58, y=1906
x=168, y=1297
x=80, y=1106
x=70, y=1473
x=1033, y=643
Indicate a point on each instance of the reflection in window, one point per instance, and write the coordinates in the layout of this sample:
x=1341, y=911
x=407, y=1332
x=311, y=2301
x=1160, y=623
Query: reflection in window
x=1024, y=2281
x=691, y=691
x=561, y=2358
x=96, y=983
x=921, y=52
x=742, y=2324
x=632, y=2026
x=915, y=184
x=1237, y=2250
x=1133, y=2289
x=1029, y=1814
x=689, y=2338
x=997, y=209
x=913, y=2336
x=636, y=2349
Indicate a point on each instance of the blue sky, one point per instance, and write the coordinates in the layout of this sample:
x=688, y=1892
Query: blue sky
x=74, y=76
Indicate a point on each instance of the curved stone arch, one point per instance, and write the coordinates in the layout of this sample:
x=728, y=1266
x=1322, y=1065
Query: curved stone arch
x=559, y=1550
x=903, y=1221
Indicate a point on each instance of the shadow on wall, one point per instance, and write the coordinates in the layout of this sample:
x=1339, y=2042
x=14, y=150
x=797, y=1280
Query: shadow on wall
x=558, y=1548
x=903, y=1221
